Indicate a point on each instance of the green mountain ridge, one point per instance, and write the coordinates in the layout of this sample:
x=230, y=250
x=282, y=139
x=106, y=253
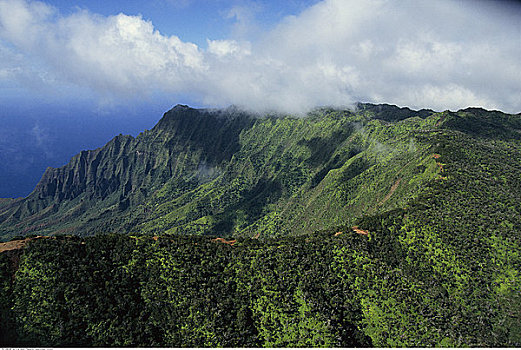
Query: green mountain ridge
x=226, y=172
x=95, y=184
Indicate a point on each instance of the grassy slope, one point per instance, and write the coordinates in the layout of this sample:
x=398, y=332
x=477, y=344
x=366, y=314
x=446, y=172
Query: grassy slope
x=195, y=173
x=293, y=176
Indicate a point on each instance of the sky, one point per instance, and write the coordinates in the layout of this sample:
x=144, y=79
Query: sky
x=263, y=55
x=94, y=69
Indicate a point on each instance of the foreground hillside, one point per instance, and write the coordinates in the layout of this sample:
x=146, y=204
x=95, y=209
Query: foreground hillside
x=435, y=260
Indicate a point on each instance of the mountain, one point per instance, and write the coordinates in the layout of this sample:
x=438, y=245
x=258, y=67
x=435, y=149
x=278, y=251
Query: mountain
x=226, y=172
x=30, y=140
x=99, y=185
x=380, y=226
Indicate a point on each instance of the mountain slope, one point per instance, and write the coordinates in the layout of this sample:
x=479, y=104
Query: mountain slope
x=225, y=172
x=452, y=253
x=100, y=184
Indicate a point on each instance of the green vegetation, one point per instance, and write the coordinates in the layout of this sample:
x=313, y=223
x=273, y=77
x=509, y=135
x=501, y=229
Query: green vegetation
x=438, y=193
x=226, y=173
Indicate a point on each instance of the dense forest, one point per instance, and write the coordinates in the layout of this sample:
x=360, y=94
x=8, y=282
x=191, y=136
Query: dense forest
x=381, y=227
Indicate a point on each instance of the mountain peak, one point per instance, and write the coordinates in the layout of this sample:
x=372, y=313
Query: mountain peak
x=180, y=107
x=392, y=112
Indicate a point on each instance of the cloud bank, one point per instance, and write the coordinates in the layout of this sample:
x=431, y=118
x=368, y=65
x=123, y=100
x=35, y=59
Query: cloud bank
x=422, y=54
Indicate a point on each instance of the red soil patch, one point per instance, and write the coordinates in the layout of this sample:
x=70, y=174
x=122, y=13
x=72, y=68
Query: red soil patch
x=256, y=235
x=155, y=238
x=360, y=231
x=13, y=245
x=437, y=156
x=338, y=233
x=222, y=240
x=18, y=244
x=391, y=191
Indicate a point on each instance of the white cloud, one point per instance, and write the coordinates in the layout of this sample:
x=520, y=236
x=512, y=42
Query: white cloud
x=424, y=54
x=245, y=25
x=224, y=48
x=117, y=55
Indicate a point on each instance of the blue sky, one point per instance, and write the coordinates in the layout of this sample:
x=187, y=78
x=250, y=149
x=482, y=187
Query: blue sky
x=93, y=69
x=192, y=20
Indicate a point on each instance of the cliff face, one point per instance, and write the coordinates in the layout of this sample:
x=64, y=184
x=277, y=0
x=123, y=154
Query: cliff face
x=126, y=164
x=124, y=171
x=95, y=173
x=225, y=172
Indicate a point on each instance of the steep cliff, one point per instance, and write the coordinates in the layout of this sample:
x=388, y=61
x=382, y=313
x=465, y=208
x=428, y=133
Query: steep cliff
x=109, y=180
